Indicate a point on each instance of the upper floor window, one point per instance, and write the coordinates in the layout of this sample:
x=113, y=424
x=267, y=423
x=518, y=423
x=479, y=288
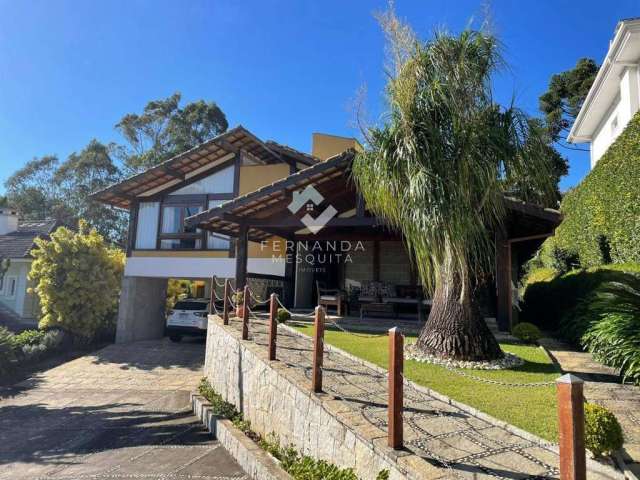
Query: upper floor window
x=174, y=235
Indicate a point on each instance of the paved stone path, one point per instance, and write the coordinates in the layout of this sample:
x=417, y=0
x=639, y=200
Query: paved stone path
x=122, y=412
x=463, y=445
x=602, y=386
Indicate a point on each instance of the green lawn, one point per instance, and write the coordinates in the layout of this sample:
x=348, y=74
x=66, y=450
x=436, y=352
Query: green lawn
x=530, y=408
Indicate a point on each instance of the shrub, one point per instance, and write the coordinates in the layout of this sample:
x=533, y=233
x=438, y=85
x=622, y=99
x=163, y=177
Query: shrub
x=304, y=467
x=77, y=278
x=7, y=350
x=238, y=297
x=283, y=315
x=527, y=332
x=300, y=467
x=602, y=214
x=558, y=304
x=603, y=434
x=28, y=337
x=219, y=406
x=615, y=341
x=47, y=342
x=614, y=338
x=541, y=274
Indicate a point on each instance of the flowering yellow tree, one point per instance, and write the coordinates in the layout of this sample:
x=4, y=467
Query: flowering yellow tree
x=77, y=277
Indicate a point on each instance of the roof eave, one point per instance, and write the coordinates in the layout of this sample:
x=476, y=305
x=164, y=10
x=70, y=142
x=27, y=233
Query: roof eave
x=623, y=29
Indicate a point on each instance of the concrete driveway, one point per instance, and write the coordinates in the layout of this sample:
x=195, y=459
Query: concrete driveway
x=122, y=412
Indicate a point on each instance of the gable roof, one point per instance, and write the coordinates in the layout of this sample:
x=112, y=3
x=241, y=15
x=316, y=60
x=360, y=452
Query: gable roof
x=226, y=217
x=190, y=165
x=256, y=208
x=18, y=244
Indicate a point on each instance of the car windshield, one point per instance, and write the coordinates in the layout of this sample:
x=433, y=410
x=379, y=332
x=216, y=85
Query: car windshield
x=190, y=306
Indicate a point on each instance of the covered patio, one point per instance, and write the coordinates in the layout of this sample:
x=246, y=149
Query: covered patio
x=338, y=254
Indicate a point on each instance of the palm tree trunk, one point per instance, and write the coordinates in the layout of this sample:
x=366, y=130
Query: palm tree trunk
x=455, y=328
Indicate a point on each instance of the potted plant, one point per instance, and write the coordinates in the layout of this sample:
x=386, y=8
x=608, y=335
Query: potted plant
x=238, y=300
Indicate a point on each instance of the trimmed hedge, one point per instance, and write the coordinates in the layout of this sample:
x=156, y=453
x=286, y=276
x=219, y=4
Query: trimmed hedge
x=561, y=304
x=602, y=214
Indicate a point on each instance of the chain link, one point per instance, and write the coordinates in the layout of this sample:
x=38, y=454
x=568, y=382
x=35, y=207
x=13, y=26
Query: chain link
x=355, y=334
x=498, y=382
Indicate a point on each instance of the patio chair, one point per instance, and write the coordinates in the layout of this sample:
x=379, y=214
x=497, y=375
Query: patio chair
x=330, y=297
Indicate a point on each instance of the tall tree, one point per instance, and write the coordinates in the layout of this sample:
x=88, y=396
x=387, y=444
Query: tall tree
x=33, y=192
x=46, y=188
x=82, y=174
x=563, y=99
x=165, y=129
x=437, y=169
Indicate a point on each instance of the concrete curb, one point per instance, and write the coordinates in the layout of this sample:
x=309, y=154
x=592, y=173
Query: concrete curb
x=592, y=465
x=257, y=463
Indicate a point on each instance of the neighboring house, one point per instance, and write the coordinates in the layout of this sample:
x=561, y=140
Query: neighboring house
x=16, y=241
x=615, y=94
x=239, y=208
x=160, y=198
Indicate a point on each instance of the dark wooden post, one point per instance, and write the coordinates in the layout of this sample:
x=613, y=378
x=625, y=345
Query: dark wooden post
x=318, y=349
x=396, y=377
x=273, y=326
x=571, y=428
x=242, y=245
x=503, y=282
x=245, y=313
x=225, y=305
x=211, y=294
x=290, y=274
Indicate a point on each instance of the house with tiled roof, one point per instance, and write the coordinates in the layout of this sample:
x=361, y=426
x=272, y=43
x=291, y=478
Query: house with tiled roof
x=237, y=212
x=17, y=239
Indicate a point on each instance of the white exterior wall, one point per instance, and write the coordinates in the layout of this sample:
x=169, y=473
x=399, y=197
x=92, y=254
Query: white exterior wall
x=219, y=182
x=606, y=134
x=18, y=270
x=617, y=116
x=197, y=267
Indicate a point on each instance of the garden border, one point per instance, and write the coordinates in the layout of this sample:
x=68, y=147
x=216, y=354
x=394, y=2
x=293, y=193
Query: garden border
x=257, y=463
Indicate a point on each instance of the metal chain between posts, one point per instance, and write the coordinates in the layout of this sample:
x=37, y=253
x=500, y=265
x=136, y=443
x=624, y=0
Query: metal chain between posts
x=498, y=382
x=311, y=314
x=218, y=284
x=355, y=334
x=256, y=299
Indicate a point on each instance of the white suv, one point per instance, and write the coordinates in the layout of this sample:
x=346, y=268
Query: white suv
x=188, y=317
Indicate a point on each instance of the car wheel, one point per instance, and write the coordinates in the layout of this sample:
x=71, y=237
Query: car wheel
x=175, y=338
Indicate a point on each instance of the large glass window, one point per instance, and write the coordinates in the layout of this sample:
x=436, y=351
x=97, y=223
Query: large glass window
x=173, y=233
x=216, y=241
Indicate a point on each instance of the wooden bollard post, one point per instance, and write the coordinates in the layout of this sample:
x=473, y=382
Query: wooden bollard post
x=273, y=326
x=225, y=305
x=212, y=294
x=396, y=377
x=571, y=422
x=318, y=349
x=245, y=313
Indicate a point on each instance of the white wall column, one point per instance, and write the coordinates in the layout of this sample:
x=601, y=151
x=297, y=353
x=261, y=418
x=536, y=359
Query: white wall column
x=629, y=95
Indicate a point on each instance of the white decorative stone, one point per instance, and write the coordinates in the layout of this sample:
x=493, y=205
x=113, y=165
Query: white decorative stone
x=508, y=361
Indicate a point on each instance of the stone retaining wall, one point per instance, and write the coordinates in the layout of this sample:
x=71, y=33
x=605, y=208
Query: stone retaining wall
x=277, y=399
x=257, y=463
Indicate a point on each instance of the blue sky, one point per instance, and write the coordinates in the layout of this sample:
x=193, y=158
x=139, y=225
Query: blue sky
x=69, y=70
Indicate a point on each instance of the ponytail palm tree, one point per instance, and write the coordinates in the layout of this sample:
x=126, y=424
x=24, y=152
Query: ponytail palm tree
x=437, y=170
